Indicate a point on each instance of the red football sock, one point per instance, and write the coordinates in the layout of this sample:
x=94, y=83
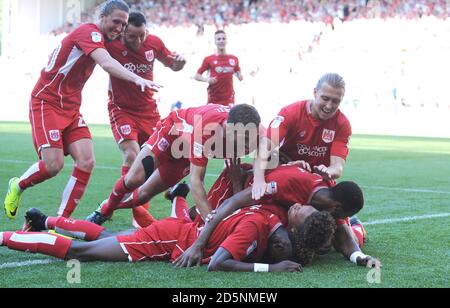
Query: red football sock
x=45, y=243
x=4, y=238
x=79, y=229
x=125, y=170
x=180, y=209
x=74, y=192
x=142, y=217
x=33, y=176
x=358, y=231
x=117, y=194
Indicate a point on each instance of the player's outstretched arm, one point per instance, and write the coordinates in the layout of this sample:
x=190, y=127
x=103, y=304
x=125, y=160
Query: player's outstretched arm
x=194, y=255
x=260, y=166
x=334, y=171
x=223, y=261
x=198, y=190
x=178, y=62
x=346, y=244
x=114, y=68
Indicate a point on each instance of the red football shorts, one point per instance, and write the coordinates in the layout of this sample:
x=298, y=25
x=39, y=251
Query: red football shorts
x=171, y=169
x=53, y=127
x=127, y=125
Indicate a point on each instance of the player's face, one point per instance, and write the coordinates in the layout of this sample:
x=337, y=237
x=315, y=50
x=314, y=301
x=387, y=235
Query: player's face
x=114, y=24
x=134, y=37
x=221, y=40
x=280, y=247
x=327, y=102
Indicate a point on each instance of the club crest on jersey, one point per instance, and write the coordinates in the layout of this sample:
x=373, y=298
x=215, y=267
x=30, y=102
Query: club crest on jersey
x=124, y=53
x=150, y=55
x=277, y=122
x=163, y=145
x=125, y=129
x=232, y=62
x=328, y=135
x=303, y=134
x=54, y=135
x=96, y=37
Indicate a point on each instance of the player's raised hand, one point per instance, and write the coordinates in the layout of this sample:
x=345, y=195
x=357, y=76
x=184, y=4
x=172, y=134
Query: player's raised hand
x=323, y=171
x=191, y=257
x=286, y=266
x=144, y=83
x=302, y=164
x=369, y=262
x=177, y=57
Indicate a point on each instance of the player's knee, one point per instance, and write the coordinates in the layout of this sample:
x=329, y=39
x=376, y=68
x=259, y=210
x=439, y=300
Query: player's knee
x=130, y=157
x=86, y=164
x=53, y=167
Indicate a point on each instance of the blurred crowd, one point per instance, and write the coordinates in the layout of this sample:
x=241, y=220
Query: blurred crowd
x=222, y=13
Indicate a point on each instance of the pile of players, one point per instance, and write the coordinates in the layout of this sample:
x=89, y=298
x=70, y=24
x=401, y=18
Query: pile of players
x=273, y=215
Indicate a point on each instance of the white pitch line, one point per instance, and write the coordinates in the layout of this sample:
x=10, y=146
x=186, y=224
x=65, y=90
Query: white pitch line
x=415, y=190
x=405, y=219
x=26, y=263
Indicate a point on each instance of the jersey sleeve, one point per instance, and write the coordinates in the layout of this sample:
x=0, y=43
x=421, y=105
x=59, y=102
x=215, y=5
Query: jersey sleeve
x=243, y=241
x=204, y=67
x=279, y=127
x=89, y=39
x=163, y=54
x=237, y=68
x=339, y=147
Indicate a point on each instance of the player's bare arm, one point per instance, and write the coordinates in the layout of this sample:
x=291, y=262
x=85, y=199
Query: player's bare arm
x=193, y=255
x=260, y=166
x=210, y=80
x=239, y=76
x=223, y=261
x=334, y=171
x=113, y=67
x=236, y=174
x=346, y=244
x=198, y=190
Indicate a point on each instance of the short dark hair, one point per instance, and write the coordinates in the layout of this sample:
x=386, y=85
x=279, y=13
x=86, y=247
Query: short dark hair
x=244, y=114
x=350, y=195
x=317, y=230
x=109, y=6
x=137, y=19
x=219, y=32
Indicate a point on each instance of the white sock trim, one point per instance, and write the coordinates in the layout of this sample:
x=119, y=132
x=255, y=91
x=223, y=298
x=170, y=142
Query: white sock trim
x=1, y=238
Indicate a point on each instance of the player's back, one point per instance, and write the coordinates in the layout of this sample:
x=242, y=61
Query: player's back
x=69, y=67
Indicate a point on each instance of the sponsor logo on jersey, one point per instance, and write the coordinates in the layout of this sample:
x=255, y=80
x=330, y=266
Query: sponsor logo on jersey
x=96, y=37
x=277, y=122
x=150, y=55
x=138, y=68
x=54, y=135
x=328, y=135
x=224, y=69
x=163, y=145
x=312, y=151
x=125, y=129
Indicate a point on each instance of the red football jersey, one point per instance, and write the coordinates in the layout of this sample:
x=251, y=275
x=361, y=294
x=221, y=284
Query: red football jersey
x=302, y=137
x=223, y=68
x=125, y=94
x=69, y=67
x=244, y=234
x=198, y=126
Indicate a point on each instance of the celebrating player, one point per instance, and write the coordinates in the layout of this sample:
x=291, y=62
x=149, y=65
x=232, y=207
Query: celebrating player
x=57, y=125
x=314, y=134
x=291, y=185
x=221, y=68
x=133, y=113
x=181, y=145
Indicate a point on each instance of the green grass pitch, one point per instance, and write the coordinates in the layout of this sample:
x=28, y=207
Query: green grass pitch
x=401, y=177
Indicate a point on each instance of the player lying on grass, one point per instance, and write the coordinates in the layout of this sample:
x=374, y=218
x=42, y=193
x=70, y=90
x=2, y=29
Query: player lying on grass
x=241, y=239
x=290, y=185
